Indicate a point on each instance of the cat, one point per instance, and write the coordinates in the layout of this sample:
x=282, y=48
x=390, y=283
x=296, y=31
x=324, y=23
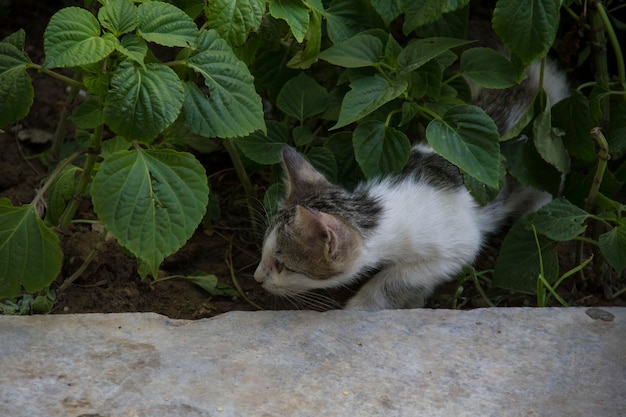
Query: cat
x=409, y=232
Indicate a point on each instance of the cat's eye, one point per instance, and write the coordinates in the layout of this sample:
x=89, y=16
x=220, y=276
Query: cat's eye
x=279, y=266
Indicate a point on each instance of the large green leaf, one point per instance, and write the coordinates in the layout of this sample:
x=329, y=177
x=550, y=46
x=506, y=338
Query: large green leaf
x=559, y=220
x=527, y=27
x=295, y=13
x=613, y=247
x=361, y=50
x=467, y=137
x=527, y=166
x=518, y=266
x=30, y=255
x=232, y=107
x=143, y=101
x=16, y=88
x=549, y=145
x=573, y=116
x=419, y=52
x=166, y=24
x=234, y=19
x=379, y=149
x=419, y=13
x=134, y=47
x=118, y=16
x=306, y=57
x=302, y=97
x=366, y=95
x=488, y=68
x=264, y=148
x=388, y=10
x=72, y=38
x=346, y=18
x=324, y=161
x=151, y=201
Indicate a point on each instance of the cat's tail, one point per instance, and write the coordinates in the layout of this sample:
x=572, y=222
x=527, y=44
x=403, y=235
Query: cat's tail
x=513, y=202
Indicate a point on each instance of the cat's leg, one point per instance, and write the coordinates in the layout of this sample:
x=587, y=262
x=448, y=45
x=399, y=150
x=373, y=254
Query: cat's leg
x=394, y=287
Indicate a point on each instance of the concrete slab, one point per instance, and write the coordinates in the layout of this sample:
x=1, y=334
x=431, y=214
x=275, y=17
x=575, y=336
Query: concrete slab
x=490, y=362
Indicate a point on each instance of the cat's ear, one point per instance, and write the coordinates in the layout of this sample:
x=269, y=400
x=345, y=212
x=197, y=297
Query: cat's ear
x=322, y=229
x=302, y=179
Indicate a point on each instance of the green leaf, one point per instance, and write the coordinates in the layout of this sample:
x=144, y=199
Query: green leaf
x=574, y=117
x=324, y=161
x=16, y=88
x=133, y=47
x=488, y=68
x=452, y=25
x=17, y=39
x=302, y=97
x=482, y=193
x=558, y=220
x=210, y=284
x=115, y=144
x=366, y=95
x=518, y=266
x=302, y=135
x=118, y=16
x=527, y=27
x=379, y=149
x=265, y=149
x=234, y=19
x=60, y=192
x=361, y=50
x=232, y=107
x=467, y=137
x=88, y=115
x=313, y=42
x=72, y=38
x=151, y=201
x=143, y=100
x=30, y=255
x=419, y=52
x=549, y=145
x=527, y=166
x=419, y=13
x=613, y=247
x=346, y=18
x=388, y=10
x=166, y=25
x=295, y=13
x=273, y=196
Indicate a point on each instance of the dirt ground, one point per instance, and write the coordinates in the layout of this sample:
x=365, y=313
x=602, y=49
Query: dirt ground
x=230, y=249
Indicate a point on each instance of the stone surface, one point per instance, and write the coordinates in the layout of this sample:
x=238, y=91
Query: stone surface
x=490, y=362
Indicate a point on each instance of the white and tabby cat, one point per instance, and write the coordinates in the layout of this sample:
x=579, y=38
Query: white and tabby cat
x=412, y=231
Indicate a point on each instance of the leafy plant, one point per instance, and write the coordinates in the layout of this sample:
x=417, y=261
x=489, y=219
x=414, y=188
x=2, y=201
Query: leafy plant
x=149, y=195
x=350, y=83
x=365, y=88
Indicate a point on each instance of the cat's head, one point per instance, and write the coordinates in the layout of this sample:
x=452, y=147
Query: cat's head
x=306, y=247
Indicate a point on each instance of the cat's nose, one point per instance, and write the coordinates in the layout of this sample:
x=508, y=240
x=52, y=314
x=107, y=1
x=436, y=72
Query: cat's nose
x=258, y=274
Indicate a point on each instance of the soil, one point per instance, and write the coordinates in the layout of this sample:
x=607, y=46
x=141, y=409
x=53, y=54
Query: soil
x=228, y=249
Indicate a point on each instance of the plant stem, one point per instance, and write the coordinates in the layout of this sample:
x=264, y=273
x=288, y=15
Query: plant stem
x=55, y=174
x=619, y=58
x=82, y=267
x=603, y=158
x=244, y=179
x=72, y=207
x=61, y=130
x=58, y=76
x=598, y=43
